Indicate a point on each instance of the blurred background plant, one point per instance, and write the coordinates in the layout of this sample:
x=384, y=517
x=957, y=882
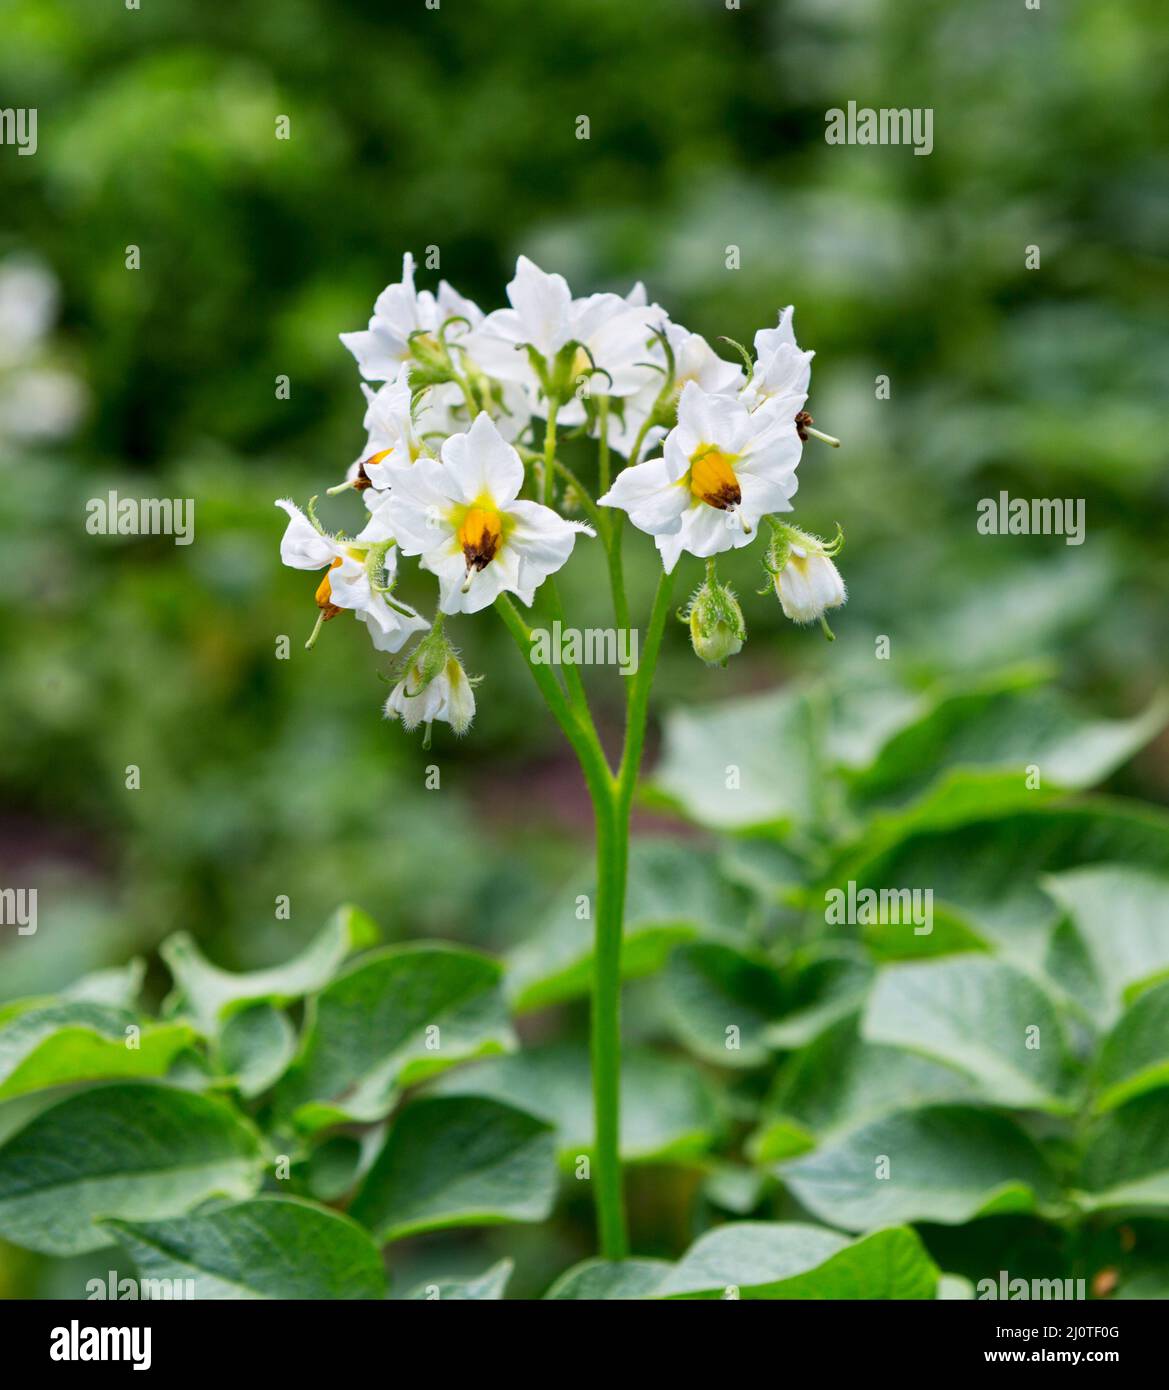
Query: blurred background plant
x=457, y=128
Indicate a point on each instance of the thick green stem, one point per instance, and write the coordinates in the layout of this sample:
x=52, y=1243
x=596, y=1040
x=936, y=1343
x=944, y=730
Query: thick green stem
x=612, y=799
x=605, y=1030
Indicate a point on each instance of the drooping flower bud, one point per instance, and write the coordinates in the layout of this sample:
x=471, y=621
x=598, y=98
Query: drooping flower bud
x=433, y=686
x=717, y=629
x=806, y=580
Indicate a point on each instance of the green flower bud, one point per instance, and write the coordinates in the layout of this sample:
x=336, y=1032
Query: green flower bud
x=717, y=629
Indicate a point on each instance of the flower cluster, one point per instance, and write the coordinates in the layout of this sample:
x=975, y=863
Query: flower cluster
x=460, y=468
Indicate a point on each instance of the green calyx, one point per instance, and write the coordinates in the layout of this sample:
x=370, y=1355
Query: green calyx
x=717, y=628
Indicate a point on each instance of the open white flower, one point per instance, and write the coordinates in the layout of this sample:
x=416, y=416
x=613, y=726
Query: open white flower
x=460, y=513
x=783, y=370
x=360, y=573
x=612, y=334
x=401, y=310
x=393, y=436
x=722, y=469
x=694, y=360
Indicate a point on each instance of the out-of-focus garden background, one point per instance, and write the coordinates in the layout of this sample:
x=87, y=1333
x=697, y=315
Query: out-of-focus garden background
x=456, y=128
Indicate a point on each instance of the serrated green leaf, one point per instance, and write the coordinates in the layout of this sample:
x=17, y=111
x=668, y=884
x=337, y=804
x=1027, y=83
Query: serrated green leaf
x=709, y=988
x=945, y=1163
x=210, y=993
x=667, y=1110
x=489, y=1285
x=674, y=895
x=743, y=764
x=395, y=1018
x=135, y=1152
x=58, y=1044
x=1135, y=1056
x=982, y=1017
x=610, y=1279
x=268, y=1247
x=458, y=1161
x=256, y=1045
x=788, y=1260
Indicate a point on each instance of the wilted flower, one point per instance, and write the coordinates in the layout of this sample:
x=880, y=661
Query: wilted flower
x=433, y=687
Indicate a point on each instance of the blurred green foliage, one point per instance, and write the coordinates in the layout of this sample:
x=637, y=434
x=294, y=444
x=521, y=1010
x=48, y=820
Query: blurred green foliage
x=456, y=128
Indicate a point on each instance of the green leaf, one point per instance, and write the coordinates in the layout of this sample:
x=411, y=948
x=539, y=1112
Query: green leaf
x=135, y=1152
x=268, y=1247
x=674, y=894
x=118, y=987
x=743, y=764
x=1126, y=1156
x=981, y=1016
x=667, y=1111
x=1121, y=915
x=393, y=1019
x=709, y=988
x=831, y=982
x=57, y=1044
x=841, y=1081
x=489, y=1285
x=990, y=871
x=210, y=993
x=1135, y=1056
x=1006, y=730
x=255, y=1047
x=610, y=1279
x=788, y=1260
x=947, y=1164
x=458, y=1161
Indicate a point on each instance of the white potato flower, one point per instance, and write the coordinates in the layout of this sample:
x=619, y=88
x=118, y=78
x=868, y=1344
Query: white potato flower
x=611, y=335
x=783, y=370
x=461, y=514
x=694, y=360
x=400, y=311
x=722, y=469
x=360, y=574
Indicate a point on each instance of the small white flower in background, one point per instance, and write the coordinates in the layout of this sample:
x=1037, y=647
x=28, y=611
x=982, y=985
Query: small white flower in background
x=722, y=469
x=433, y=687
x=400, y=311
x=38, y=399
x=611, y=335
x=360, y=574
x=806, y=580
x=460, y=513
